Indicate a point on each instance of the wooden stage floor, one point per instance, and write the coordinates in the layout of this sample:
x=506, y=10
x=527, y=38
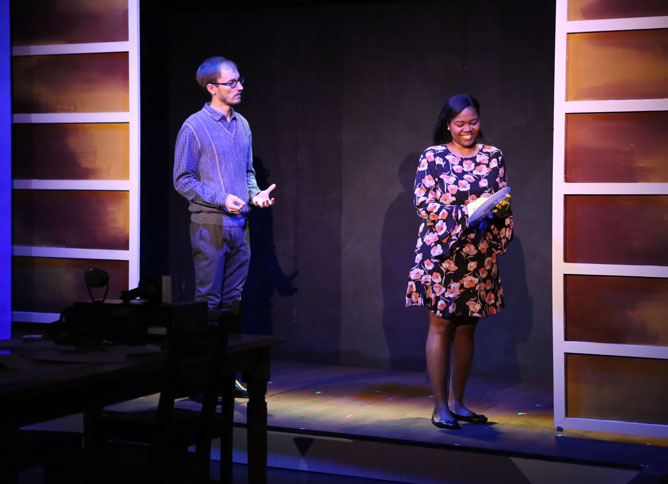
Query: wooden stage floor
x=373, y=423
x=395, y=407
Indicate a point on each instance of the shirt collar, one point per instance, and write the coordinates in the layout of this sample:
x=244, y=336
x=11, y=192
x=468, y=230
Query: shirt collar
x=217, y=115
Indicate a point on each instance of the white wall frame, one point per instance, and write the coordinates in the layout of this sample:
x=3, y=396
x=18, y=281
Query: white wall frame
x=132, y=185
x=561, y=189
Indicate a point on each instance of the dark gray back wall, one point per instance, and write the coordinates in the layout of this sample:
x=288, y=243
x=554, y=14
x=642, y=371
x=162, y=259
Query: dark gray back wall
x=342, y=99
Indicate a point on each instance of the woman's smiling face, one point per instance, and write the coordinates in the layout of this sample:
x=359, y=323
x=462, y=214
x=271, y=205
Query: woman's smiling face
x=465, y=127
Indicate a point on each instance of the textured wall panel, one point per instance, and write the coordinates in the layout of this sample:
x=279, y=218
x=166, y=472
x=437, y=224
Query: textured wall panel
x=617, y=65
x=604, y=9
x=49, y=285
x=616, y=388
x=616, y=229
x=70, y=83
x=78, y=219
x=624, y=310
x=617, y=147
x=95, y=151
x=39, y=22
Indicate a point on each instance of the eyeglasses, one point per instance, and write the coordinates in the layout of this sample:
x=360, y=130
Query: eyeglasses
x=232, y=84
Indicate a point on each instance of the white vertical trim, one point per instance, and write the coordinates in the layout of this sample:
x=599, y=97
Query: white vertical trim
x=133, y=59
x=558, y=149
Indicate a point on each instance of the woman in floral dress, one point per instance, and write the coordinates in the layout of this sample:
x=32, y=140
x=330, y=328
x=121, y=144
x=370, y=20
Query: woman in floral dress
x=455, y=273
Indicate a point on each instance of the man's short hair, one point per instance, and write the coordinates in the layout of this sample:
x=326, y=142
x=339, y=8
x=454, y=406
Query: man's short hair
x=209, y=70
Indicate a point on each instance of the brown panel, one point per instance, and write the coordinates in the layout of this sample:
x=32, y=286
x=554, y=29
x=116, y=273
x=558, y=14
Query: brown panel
x=602, y=9
x=616, y=229
x=70, y=83
x=624, y=310
x=41, y=22
x=617, y=65
x=49, y=285
x=616, y=388
x=71, y=151
x=79, y=219
x=617, y=147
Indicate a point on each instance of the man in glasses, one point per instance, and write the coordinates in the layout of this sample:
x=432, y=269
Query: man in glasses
x=213, y=170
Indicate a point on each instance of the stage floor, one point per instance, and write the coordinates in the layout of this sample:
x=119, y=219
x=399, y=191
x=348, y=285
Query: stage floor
x=385, y=415
x=396, y=406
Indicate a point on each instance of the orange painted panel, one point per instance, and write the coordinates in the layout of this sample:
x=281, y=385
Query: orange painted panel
x=95, y=151
x=604, y=9
x=617, y=147
x=617, y=65
x=43, y=22
x=49, y=285
x=75, y=219
x=623, y=310
x=617, y=388
x=616, y=229
x=70, y=83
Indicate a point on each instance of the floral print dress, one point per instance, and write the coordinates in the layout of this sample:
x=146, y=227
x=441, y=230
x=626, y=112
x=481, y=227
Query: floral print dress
x=455, y=271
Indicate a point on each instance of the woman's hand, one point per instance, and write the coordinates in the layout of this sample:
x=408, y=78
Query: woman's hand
x=502, y=209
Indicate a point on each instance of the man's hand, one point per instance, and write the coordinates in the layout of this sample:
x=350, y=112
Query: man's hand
x=262, y=199
x=234, y=204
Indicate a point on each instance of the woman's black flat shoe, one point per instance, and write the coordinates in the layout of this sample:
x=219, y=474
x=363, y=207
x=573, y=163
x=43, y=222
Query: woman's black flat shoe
x=473, y=418
x=447, y=424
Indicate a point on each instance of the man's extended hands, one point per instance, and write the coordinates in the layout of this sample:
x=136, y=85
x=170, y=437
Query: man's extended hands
x=262, y=199
x=234, y=204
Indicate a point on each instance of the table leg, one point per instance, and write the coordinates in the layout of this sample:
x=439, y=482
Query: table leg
x=8, y=449
x=227, y=431
x=257, y=419
x=92, y=418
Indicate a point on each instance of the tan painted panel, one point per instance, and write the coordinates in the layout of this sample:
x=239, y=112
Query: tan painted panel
x=75, y=219
x=616, y=229
x=93, y=151
x=49, y=285
x=45, y=22
x=617, y=147
x=605, y=9
x=621, y=310
x=617, y=388
x=70, y=83
x=617, y=65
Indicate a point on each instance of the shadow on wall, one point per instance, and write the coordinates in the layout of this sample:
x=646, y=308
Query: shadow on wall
x=264, y=273
x=499, y=337
x=405, y=328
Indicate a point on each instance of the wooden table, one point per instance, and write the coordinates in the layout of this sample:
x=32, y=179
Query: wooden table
x=41, y=381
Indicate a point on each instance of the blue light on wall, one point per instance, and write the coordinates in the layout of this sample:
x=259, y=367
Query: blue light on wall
x=5, y=174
